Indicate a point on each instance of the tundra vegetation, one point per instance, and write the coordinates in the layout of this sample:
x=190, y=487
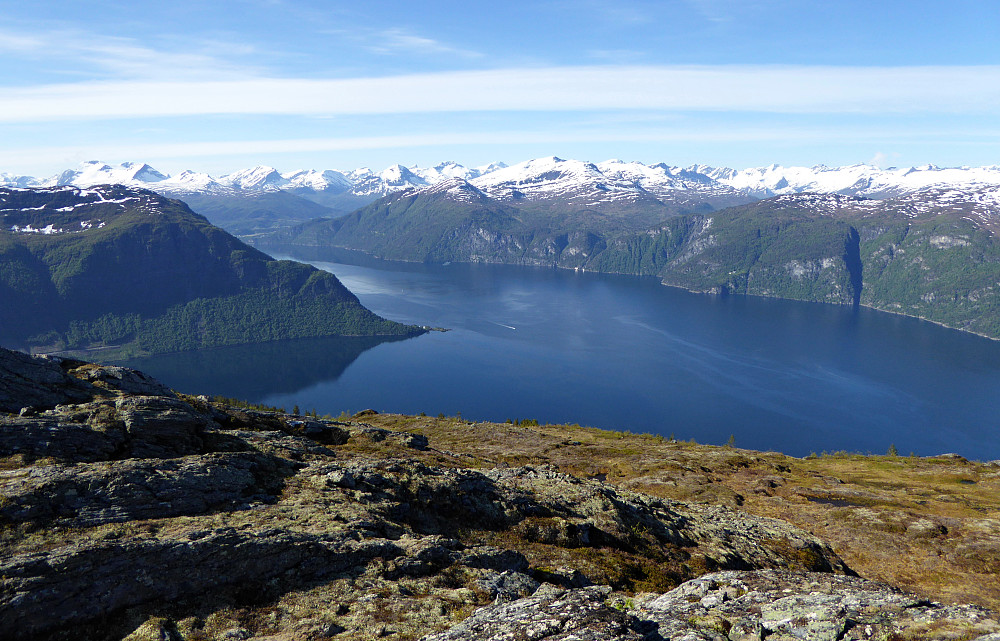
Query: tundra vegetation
x=128, y=511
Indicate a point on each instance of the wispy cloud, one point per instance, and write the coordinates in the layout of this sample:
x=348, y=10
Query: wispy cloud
x=20, y=43
x=94, y=55
x=705, y=134
x=712, y=10
x=620, y=11
x=615, y=12
x=772, y=89
x=403, y=41
x=616, y=56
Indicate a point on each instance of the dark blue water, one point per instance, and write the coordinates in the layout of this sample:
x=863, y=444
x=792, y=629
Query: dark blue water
x=628, y=353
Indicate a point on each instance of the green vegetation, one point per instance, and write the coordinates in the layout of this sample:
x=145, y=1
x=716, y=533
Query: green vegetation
x=931, y=261
x=236, y=402
x=896, y=518
x=251, y=317
x=154, y=278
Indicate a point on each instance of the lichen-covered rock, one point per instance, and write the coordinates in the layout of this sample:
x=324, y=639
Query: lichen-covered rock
x=90, y=494
x=552, y=614
x=160, y=427
x=121, y=380
x=730, y=606
x=85, y=433
x=777, y=604
x=37, y=382
x=87, y=580
x=127, y=511
x=333, y=518
x=378, y=434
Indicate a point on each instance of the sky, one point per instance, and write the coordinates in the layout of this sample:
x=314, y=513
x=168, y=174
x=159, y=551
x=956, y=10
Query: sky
x=219, y=86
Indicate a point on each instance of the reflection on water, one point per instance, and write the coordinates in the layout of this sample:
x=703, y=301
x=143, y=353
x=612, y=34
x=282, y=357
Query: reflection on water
x=253, y=372
x=622, y=352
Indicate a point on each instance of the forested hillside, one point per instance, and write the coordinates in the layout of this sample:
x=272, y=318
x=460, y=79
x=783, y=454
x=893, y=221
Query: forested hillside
x=119, y=267
x=929, y=254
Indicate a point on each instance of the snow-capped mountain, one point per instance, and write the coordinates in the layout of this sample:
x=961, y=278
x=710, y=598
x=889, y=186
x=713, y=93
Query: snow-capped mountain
x=311, y=179
x=614, y=181
x=860, y=180
x=578, y=183
x=451, y=169
x=94, y=172
x=258, y=178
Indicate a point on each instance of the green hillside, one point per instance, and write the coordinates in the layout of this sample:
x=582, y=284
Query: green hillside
x=130, y=269
x=930, y=254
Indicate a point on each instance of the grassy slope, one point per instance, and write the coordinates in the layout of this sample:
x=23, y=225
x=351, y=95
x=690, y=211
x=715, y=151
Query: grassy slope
x=925, y=524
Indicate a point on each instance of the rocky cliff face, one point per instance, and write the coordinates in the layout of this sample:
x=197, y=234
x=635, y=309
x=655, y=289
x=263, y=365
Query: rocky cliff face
x=127, y=511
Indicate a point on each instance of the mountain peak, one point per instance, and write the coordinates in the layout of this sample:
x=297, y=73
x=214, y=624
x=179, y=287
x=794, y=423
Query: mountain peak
x=544, y=177
x=261, y=177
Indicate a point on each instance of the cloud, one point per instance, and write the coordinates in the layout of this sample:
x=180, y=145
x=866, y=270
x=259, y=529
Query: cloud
x=121, y=58
x=705, y=134
x=18, y=43
x=736, y=88
x=616, y=56
x=881, y=159
x=617, y=11
x=712, y=10
x=396, y=41
x=878, y=159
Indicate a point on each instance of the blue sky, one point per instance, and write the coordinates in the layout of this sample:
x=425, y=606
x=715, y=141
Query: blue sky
x=225, y=85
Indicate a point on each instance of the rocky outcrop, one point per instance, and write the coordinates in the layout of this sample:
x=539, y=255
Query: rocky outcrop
x=551, y=613
x=88, y=494
x=128, y=511
x=734, y=606
x=36, y=383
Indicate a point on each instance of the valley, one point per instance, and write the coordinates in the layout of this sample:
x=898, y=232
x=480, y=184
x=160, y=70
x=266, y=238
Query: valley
x=917, y=241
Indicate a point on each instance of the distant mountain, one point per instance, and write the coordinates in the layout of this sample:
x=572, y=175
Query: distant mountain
x=262, y=199
x=915, y=240
x=929, y=253
x=116, y=266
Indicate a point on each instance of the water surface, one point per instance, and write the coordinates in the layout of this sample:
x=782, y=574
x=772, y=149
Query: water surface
x=622, y=352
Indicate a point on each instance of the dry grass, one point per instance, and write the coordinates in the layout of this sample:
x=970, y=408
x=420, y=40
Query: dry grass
x=930, y=525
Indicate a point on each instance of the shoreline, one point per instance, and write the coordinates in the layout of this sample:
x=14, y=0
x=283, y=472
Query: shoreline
x=660, y=278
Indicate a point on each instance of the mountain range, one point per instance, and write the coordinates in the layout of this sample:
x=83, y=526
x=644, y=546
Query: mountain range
x=918, y=241
x=930, y=252
x=263, y=198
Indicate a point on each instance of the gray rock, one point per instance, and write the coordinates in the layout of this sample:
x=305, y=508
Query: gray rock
x=552, y=614
x=91, y=494
x=87, y=580
x=89, y=432
x=730, y=606
x=122, y=380
x=378, y=434
x=809, y=606
x=161, y=427
x=507, y=586
x=38, y=382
